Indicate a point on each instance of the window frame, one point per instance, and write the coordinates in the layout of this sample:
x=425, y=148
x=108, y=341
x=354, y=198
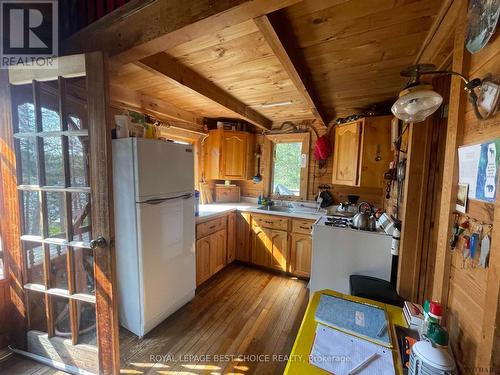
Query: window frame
x=305, y=139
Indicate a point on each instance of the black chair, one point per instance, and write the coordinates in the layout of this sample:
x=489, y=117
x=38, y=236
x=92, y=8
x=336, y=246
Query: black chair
x=374, y=288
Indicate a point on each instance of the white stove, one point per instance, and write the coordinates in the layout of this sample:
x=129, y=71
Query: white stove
x=340, y=251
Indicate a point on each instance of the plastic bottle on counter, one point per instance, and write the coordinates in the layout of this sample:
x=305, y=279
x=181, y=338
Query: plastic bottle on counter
x=425, y=324
x=196, y=203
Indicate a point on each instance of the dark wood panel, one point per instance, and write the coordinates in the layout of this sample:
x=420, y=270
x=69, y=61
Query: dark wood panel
x=102, y=212
x=10, y=218
x=5, y=307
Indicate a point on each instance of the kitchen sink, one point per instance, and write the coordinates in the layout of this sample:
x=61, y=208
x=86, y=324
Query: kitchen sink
x=276, y=208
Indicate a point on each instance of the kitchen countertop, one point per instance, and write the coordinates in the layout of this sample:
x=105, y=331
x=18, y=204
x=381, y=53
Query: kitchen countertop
x=212, y=211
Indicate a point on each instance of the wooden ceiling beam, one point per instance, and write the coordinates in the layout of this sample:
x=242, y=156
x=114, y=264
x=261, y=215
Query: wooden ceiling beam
x=166, y=67
x=140, y=29
x=442, y=27
x=123, y=97
x=297, y=76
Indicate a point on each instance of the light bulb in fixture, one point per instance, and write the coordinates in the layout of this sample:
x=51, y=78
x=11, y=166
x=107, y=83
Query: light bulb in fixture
x=416, y=103
x=276, y=104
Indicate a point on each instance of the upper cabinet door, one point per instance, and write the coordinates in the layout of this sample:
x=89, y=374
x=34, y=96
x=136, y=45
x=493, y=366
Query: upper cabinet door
x=346, y=154
x=234, y=155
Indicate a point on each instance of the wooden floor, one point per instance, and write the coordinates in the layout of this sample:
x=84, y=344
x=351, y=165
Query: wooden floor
x=244, y=313
x=240, y=322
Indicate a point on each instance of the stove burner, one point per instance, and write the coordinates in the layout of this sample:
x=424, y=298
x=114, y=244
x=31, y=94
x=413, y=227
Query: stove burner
x=338, y=222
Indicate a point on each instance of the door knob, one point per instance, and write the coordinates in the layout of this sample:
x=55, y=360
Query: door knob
x=98, y=242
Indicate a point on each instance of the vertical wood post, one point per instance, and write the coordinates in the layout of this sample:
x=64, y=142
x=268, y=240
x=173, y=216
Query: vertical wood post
x=454, y=139
x=415, y=191
x=102, y=214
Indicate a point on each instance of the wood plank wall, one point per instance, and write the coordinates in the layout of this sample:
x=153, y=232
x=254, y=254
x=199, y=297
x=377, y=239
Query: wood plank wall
x=471, y=293
x=467, y=296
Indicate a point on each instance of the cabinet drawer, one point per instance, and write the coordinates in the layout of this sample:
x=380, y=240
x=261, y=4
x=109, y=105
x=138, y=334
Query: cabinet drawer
x=302, y=226
x=268, y=221
x=209, y=227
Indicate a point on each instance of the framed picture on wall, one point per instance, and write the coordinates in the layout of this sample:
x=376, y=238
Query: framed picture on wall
x=462, y=196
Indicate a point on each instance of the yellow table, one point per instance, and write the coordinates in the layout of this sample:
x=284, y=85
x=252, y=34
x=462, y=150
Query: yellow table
x=298, y=362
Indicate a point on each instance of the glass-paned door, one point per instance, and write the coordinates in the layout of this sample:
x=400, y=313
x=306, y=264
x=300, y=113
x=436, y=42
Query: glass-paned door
x=52, y=147
x=63, y=171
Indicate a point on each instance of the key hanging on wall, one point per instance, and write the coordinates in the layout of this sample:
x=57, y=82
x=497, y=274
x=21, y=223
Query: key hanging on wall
x=474, y=244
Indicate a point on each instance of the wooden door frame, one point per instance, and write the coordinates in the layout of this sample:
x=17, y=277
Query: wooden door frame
x=95, y=68
x=101, y=187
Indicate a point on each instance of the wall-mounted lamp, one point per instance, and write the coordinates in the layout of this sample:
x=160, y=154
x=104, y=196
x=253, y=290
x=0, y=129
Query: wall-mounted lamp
x=418, y=100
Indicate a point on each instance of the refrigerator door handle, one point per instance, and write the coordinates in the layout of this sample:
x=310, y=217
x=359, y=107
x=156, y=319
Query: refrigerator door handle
x=161, y=200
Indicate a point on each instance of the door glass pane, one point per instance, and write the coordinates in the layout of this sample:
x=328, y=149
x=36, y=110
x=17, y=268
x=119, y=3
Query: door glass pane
x=86, y=323
x=58, y=270
x=75, y=103
x=31, y=213
x=62, y=323
x=54, y=170
x=36, y=311
x=29, y=165
x=49, y=102
x=78, y=160
x=22, y=99
x=84, y=271
x=56, y=217
x=34, y=262
x=81, y=220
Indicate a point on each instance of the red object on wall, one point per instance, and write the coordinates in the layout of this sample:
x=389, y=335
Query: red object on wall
x=322, y=150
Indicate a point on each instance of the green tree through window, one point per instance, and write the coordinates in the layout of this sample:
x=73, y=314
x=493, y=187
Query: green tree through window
x=286, y=168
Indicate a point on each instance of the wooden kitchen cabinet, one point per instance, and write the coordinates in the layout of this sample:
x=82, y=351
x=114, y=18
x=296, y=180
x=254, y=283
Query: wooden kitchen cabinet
x=203, y=251
x=300, y=255
x=211, y=248
x=218, y=253
x=270, y=241
x=229, y=155
x=261, y=246
x=346, y=154
x=231, y=237
x=362, y=152
x=269, y=248
x=278, y=249
x=243, y=237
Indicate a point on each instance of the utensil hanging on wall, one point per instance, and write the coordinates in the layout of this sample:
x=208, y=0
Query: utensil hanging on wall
x=258, y=178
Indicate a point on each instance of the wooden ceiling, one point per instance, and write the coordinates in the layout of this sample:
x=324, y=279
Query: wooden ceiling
x=329, y=58
x=355, y=49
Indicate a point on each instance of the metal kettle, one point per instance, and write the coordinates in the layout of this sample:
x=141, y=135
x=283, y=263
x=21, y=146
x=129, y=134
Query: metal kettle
x=364, y=219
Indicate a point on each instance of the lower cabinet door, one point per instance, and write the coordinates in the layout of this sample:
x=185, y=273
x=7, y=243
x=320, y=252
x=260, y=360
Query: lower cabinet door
x=261, y=246
x=218, y=253
x=203, y=250
x=300, y=255
x=279, y=249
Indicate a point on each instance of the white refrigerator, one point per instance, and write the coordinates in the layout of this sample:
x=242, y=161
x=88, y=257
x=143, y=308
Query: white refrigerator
x=154, y=230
